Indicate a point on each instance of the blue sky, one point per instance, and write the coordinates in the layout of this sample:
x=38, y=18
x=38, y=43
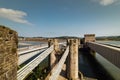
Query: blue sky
x=51, y=18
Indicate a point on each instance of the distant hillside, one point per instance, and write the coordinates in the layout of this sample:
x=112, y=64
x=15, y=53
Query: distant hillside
x=115, y=38
x=20, y=38
x=66, y=37
x=61, y=37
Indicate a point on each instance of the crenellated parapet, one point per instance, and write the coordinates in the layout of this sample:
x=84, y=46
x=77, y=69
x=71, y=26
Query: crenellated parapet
x=89, y=38
x=8, y=54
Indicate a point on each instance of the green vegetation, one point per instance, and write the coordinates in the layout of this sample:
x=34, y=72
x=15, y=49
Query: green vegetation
x=40, y=72
x=20, y=66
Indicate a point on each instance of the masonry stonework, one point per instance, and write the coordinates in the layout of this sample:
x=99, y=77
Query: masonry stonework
x=73, y=56
x=52, y=56
x=89, y=38
x=8, y=54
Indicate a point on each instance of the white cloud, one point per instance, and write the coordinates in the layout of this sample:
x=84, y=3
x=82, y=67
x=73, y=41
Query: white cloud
x=14, y=15
x=106, y=2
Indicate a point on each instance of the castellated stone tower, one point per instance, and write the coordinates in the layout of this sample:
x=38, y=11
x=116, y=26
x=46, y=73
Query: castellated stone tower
x=8, y=54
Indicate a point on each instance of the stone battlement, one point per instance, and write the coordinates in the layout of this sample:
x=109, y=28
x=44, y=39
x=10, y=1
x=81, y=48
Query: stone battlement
x=8, y=54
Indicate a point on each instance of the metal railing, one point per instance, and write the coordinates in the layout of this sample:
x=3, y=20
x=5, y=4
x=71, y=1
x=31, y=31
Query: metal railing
x=23, y=72
x=111, y=53
x=57, y=69
x=31, y=48
x=24, y=58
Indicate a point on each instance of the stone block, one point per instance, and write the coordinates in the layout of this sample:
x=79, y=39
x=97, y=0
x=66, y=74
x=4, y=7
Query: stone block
x=8, y=54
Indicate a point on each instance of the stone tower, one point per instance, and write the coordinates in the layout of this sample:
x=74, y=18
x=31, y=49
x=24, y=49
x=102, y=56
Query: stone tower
x=8, y=54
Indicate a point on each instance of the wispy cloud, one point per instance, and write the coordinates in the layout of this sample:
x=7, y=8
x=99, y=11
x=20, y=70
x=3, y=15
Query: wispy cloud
x=14, y=15
x=105, y=2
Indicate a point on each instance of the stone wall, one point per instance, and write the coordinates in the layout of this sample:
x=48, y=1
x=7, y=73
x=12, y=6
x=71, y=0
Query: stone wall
x=8, y=54
x=73, y=59
x=89, y=38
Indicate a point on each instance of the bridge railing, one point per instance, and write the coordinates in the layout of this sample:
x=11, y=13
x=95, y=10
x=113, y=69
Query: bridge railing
x=35, y=47
x=23, y=72
x=57, y=69
x=31, y=48
x=25, y=57
x=111, y=53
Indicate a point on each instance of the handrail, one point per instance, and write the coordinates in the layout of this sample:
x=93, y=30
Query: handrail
x=23, y=72
x=32, y=48
x=113, y=45
x=103, y=45
x=28, y=56
x=111, y=53
x=57, y=69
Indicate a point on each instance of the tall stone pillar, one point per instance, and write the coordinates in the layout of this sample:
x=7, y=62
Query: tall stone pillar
x=56, y=45
x=68, y=61
x=8, y=54
x=50, y=42
x=68, y=41
x=52, y=56
x=73, y=59
x=89, y=38
x=79, y=44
